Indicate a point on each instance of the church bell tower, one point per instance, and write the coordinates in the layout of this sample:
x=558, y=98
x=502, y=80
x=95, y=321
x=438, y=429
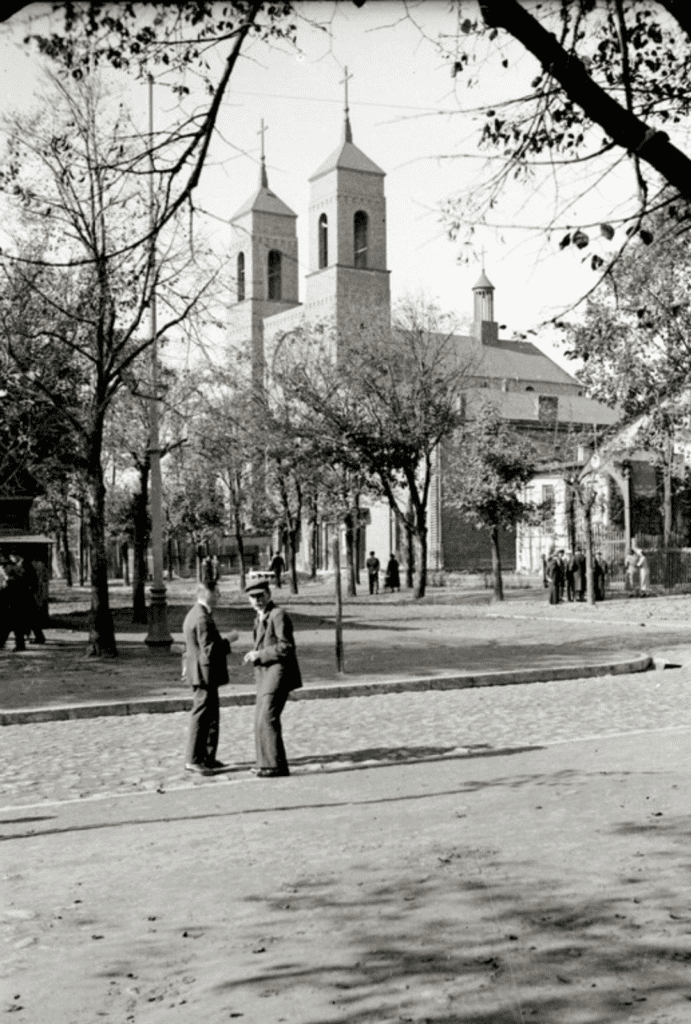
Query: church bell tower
x=348, y=282
x=263, y=265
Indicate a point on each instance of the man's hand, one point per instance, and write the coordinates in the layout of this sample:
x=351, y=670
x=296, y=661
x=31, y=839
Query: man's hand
x=251, y=656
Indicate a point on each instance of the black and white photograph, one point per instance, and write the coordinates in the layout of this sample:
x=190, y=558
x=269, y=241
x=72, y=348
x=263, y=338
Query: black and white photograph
x=345, y=511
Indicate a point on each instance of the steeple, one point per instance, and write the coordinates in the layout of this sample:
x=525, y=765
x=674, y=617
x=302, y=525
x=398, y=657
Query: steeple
x=263, y=177
x=264, y=200
x=347, y=130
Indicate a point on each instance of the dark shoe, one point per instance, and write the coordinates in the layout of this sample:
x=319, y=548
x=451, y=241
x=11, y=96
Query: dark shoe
x=272, y=773
x=216, y=766
x=200, y=769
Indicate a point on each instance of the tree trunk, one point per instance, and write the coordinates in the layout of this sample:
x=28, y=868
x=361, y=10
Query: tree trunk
x=421, y=553
x=588, y=526
x=239, y=540
x=314, y=546
x=498, y=594
x=409, y=554
x=141, y=543
x=82, y=543
x=667, y=516
x=125, y=562
x=291, y=552
x=340, y=658
x=66, y=553
x=350, y=549
x=101, y=630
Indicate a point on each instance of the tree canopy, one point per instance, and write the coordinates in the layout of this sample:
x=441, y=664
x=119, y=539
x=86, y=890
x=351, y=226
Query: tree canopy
x=612, y=84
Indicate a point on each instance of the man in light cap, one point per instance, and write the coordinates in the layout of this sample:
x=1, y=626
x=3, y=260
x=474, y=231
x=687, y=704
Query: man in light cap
x=276, y=673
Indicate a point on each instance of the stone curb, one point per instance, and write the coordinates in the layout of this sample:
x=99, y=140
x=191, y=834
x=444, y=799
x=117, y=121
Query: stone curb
x=165, y=705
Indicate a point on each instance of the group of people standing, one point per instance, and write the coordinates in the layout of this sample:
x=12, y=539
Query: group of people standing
x=392, y=575
x=276, y=674
x=636, y=565
x=566, y=575
x=19, y=605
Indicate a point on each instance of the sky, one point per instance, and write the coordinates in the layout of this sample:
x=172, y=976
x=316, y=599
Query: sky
x=414, y=120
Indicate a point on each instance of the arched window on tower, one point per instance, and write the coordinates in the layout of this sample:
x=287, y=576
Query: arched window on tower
x=323, y=241
x=275, y=275
x=241, y=277
x=360, y=223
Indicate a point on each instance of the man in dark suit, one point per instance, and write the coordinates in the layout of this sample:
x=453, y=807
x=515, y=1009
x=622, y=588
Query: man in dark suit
x=14, y=605
x=276, y=673
x=205, y=669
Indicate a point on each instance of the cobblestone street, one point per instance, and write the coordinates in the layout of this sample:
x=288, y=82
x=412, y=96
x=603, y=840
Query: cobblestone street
x=109, y=756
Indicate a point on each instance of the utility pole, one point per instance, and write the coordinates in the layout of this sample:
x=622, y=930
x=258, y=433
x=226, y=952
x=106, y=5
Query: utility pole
x=158, y=638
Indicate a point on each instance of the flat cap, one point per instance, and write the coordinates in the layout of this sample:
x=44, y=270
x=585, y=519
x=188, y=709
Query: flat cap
x=258, y=587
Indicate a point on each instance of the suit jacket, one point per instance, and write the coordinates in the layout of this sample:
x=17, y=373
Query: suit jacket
x=205, y=649
x=277, y=664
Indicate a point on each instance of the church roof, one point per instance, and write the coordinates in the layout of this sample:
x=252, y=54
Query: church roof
x=483, y=281
x=264, y=201
x=511, y=360
x=348, y=157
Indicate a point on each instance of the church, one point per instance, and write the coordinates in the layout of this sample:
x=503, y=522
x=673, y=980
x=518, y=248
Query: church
x=347, y=279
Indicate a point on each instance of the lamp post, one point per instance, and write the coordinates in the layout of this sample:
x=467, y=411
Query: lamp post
x=158, y=638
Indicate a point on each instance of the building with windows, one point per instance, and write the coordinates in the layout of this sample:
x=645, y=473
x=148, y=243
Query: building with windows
x=348, y=286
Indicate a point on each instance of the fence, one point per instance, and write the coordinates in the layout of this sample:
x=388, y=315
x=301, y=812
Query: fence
x=670, y=568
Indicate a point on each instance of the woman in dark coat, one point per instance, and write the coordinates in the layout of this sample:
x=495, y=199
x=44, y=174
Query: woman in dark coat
x=392, y=578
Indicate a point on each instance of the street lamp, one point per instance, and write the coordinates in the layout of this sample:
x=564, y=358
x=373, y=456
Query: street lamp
x=158, y=638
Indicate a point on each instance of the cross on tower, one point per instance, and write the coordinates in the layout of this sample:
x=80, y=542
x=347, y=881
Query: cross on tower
x=344, y=81
x=262, y=131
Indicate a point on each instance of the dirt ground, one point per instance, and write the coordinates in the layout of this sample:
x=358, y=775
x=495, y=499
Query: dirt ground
x=450, y=631
x=547, y=885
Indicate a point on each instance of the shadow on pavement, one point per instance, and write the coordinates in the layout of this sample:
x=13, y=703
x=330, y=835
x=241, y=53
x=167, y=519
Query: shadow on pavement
x=481, y=939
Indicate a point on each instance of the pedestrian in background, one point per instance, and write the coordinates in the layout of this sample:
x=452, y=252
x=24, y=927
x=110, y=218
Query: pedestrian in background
x=277, y=567
x=372, y=565
x=33, y=606
x=643, y=573
x=579, y=573
x=392, y=576
x=14, y=604
x=562, y=573
x=600, y=571
x=554, y=577
x=205, y=669
x=276, y=673
x=209, y=572
x=630, y=569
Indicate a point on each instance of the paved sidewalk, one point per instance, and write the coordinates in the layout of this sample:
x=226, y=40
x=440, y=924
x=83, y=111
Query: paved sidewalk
x=382, y=640
x=105, y=757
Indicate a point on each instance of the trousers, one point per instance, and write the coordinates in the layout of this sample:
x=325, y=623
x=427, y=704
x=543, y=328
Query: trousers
x=202, y=740
x=268, y=737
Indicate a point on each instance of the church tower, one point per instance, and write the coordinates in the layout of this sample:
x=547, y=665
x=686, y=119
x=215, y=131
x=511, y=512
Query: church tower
x=348, y=282
x=264, y=266
x=485, y=327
